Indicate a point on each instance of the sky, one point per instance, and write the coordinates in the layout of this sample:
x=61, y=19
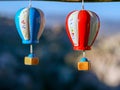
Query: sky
x=110, y=10
x=56, y=12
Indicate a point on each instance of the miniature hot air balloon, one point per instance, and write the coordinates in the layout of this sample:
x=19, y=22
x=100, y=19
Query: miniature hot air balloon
x=82, y=28
x=30, y=23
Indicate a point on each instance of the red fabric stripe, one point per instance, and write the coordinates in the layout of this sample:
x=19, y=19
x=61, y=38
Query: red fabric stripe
x=83, y=29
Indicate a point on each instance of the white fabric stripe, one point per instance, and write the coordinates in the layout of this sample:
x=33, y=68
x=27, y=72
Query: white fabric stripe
x=73, y=27
x=42, y=24
x=24, y=23
x=94, y=25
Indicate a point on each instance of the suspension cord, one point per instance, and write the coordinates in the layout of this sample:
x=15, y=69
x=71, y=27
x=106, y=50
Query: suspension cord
x=30, y=3
x=31, y=49
x=83, y=4
x=84, y=54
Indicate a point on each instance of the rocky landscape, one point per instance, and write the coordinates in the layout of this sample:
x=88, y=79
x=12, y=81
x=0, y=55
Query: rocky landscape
x=57, y=68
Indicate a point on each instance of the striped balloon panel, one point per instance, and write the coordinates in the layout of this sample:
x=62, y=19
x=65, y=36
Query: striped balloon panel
x=82, y=28
x=72, y=27
x=42, y=24
x=94, y=27
x=29, y=22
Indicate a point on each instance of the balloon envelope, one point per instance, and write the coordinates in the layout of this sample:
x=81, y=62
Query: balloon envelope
x=82, y=28
x=30, y=23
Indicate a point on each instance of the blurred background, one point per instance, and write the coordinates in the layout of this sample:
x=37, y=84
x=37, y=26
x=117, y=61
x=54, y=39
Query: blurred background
x=57, y=68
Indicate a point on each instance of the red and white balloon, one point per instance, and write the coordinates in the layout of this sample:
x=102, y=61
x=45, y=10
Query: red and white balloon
x=82, y=28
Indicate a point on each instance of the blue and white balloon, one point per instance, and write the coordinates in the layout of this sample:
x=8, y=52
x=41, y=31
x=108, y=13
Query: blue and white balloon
x=30, y=23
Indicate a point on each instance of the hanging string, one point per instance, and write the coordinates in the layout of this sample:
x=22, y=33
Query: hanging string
x=84, y=54
x=30, y=3
x=31, y=49
x=82, y=4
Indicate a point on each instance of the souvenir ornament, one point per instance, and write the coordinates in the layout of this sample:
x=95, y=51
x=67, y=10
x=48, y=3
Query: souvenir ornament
x=30, y=23
x=82, y=28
